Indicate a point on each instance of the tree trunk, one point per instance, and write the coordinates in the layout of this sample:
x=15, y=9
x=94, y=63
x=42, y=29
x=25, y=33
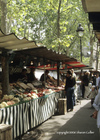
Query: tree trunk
x=5, y=73
x=3, y=4
x=91, y=49
x=58, y=25
x=97, y=57
x=4, y=57
x=67, y=51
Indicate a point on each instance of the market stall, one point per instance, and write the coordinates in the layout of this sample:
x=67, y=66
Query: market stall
x=8, y=44
x=26, y=111
x=26, y=115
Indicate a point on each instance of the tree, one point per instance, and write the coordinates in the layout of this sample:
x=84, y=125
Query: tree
x=3, y=9
x=52, y=23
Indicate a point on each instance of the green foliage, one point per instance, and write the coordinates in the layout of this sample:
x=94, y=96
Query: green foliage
x=50, y=23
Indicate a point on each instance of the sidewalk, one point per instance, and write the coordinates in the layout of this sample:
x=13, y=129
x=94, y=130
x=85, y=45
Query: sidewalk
x=76, y=125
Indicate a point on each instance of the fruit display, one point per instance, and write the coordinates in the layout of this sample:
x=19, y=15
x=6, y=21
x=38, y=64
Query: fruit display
x=21, y=92
x=9, y=100
x=3, y=104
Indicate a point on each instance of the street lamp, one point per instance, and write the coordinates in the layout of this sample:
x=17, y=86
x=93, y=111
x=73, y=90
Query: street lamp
x=80, y=31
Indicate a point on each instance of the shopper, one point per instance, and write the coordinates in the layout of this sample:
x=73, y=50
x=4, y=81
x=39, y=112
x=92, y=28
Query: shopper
x=92, y=94
x=96, y=105
x=93, y=78
x=75, y=93
x=82, y=84
x=73, y=73
x=86, y=80
x=69, y=89
x=97, y=81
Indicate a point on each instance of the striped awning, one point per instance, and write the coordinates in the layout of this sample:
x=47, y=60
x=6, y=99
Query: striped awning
x=74, y=64
x=47, y=67
x=70, y=65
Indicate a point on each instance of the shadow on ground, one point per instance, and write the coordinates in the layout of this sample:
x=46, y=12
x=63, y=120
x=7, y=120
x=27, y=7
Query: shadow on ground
x=76, y=125
x=79, y=127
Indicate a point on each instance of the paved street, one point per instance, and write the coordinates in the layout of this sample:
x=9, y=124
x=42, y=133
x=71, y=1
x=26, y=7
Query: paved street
x=76, y=125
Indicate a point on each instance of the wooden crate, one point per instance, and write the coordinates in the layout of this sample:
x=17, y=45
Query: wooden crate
x=62, y=106
x=5, y=132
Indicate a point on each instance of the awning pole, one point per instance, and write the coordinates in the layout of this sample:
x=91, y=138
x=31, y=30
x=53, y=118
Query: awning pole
x=58, y=73
x=5, y=73
x=44, y=74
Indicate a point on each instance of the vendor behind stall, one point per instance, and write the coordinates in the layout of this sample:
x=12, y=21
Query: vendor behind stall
x=48, y=79
x=31, y=76
x=44, y=77
x=23, y=76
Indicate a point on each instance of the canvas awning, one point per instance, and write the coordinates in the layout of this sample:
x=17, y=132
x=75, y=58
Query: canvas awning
x=43, y=52
x=92, y=7
x=22, y=49
x=12, y=42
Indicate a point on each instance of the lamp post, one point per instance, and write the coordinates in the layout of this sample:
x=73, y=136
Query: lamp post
x=80, y=31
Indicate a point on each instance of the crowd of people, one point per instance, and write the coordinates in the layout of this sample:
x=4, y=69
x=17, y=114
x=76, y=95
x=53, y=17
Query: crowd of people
x=89, y=87
x=70, y=84
x=86, y=78
x=92, y=92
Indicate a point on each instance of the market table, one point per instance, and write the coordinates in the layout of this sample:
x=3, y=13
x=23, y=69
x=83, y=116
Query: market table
x=29, y=114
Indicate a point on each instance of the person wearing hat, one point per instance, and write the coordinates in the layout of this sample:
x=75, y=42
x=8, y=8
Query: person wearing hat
x=69, y=90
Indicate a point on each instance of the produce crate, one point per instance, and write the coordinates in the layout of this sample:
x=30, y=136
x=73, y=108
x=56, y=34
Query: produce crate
x=62, y=106
x=5, y=132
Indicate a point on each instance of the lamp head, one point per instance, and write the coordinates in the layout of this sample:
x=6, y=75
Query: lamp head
x=80, y=30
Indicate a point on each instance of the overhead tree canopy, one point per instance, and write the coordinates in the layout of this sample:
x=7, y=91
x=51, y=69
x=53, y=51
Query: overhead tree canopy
x=52, y=23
